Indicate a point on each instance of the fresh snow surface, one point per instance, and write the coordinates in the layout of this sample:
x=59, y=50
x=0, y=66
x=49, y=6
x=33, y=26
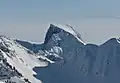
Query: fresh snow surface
x=69, y=29
x=22, y=61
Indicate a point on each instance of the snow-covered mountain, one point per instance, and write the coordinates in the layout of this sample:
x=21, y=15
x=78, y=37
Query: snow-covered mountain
x=62, y=58
x=17, y=62
x=79, y=62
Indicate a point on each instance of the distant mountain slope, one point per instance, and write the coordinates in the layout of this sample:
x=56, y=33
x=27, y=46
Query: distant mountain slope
x=79, y=62
x=31, y=46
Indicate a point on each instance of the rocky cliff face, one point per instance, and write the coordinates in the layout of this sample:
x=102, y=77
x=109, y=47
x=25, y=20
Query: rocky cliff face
x=79, y=62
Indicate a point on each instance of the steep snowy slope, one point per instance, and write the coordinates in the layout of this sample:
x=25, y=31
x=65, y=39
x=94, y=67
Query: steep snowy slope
x=19, y=58
x=78, y=62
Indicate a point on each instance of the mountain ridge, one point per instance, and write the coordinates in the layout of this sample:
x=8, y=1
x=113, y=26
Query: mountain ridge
x=63, y=54
x=80, y=62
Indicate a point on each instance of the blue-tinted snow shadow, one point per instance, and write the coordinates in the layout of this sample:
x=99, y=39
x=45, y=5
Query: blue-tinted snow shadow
x=55, y=73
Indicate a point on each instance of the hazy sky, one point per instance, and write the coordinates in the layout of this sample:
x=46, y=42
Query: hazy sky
x=96, y=20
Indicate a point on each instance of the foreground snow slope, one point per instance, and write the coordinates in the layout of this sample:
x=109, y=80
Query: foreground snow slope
x=21, y=58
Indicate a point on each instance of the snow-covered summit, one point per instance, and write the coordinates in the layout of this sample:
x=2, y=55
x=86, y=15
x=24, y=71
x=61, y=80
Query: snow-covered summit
x=69, y=29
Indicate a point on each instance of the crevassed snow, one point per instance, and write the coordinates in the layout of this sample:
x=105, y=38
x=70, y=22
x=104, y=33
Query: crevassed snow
x=69, y=29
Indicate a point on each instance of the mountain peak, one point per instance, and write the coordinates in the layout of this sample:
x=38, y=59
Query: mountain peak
x=68, y=28
x=65, y=27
